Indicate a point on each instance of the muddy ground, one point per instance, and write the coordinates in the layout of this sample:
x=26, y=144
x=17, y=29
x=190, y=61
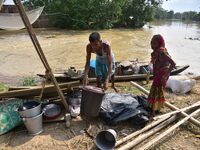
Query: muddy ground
x=57, y=136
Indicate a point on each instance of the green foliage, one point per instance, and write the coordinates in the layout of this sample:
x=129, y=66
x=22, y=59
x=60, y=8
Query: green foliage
x=85, y=14
x=135, y=13
x=29, y=81
x=2, y=87
x=97, y=14
x=164, y=14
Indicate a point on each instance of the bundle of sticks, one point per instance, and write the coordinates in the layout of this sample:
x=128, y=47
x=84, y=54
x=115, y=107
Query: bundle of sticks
x=159, y=123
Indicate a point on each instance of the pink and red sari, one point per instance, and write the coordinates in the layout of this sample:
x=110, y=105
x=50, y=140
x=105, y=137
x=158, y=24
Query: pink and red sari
x=161, y=73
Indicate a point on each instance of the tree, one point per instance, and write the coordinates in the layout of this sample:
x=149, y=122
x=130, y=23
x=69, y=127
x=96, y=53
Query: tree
x=97, y=14
x=177, y=15
x=160, y=13
x=170, y=14
x=135, y=13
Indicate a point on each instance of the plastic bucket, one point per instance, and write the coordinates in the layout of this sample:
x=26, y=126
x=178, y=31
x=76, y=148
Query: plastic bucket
x=34, y=124
x=91, y=101
x=106, y=140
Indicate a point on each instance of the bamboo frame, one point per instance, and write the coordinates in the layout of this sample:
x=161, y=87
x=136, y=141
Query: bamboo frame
x=172, y=107
x=134, y=134
x=147, y=134
x=197, y=104
x=159, y=120
x=168, y=131
x=39, y=50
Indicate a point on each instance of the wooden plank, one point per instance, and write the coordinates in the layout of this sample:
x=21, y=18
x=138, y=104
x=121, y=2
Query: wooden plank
x=172, y=107
x=37, y=90
x=168, y=131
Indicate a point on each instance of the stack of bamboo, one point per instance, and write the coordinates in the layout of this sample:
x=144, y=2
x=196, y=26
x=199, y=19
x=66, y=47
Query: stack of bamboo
x=160, y=123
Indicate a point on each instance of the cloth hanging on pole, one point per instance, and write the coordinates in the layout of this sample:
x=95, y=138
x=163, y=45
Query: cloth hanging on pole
x=13, y=21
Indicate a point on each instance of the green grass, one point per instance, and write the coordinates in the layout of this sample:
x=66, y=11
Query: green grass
x=29, y=81
x=2, y=87
x=128, y=88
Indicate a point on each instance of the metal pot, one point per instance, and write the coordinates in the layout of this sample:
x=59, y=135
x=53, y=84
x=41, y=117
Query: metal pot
x=30, y=109
x=51, y=111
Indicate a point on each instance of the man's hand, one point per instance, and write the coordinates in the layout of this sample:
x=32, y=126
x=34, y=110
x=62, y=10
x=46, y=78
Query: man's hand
x=85, y=80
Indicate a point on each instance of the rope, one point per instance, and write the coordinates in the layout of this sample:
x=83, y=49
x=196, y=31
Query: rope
x=43, y=84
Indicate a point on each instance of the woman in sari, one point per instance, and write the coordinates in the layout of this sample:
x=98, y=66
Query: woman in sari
x=162, y=66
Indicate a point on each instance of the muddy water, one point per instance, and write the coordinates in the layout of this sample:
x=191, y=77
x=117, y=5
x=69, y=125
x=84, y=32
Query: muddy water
x=64, y=48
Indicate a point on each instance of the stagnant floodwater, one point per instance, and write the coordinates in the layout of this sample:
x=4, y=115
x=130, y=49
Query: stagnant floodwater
x=64, y=48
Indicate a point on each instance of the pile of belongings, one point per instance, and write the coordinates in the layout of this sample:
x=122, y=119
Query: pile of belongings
x=74, y=101
x=9, y=117
x=73, y=72
x=131, y=67
x=117, y=107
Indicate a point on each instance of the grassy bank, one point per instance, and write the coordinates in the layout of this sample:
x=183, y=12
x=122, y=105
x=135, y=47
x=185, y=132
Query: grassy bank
x=2, y=87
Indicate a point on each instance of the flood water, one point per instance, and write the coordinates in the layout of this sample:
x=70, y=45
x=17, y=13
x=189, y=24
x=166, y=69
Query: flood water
x=64, y=48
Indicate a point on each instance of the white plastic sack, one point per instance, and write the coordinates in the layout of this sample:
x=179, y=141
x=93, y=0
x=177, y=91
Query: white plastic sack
x=74, y=111
x=180, y=84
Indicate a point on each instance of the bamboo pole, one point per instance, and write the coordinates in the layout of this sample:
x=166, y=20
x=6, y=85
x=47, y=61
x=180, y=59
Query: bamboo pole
x=192, y=119
x=151, y=125
x=178, y=111
x=148, y=134
x=39, y=49
x=168, y=131
x=158, y=119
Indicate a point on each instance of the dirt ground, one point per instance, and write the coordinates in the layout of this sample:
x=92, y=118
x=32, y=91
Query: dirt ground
x=57, y=136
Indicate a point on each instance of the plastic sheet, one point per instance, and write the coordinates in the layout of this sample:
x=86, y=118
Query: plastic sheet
x=116, y=108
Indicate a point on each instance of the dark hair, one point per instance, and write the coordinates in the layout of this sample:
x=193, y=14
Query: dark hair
x=94, y=36
x=159, y=39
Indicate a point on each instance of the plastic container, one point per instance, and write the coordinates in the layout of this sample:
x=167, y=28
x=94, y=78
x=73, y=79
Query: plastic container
x=91, y=101
x=67, y=120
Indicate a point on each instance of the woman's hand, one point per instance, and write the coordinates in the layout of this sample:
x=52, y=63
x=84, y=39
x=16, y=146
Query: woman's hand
x=172, y=67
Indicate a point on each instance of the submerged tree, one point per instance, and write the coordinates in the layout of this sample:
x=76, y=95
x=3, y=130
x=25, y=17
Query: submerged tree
x=135, y=13
x=98, y=14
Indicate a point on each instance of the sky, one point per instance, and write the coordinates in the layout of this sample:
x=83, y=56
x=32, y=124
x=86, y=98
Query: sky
x=182, y=5
x=175, y=5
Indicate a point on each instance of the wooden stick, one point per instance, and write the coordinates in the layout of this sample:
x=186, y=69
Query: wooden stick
x=192, y=119
x=151, y=125
x=39, y=49
x=178, y=111
x=148, y=134
x=168, y=131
